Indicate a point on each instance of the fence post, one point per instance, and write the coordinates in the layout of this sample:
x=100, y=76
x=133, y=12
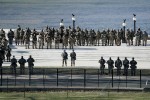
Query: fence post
x=112, y=80
x=57, y=77
x=71, y=77
x=1, y=76
x=29, y=78
x=140, y=80
x=126, y=79
x=24, y=90
x=15, y=76
x=43, y=78
x=7, y=83
x=98, y=77
x=84, y=78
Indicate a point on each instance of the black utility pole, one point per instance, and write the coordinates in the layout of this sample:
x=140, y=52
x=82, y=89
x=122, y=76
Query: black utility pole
x=73, y=21
x=124, y=30
x=134, y=20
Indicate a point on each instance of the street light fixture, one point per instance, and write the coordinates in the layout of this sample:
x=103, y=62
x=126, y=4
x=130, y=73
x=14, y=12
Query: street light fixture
x=61, y=29
x=134, y=19
x=61, y=24
x=124, y=29
x=73, y=21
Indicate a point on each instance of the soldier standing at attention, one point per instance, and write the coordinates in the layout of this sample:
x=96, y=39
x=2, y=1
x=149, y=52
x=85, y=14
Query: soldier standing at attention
x=110, y=63
x=73, y=57
x=22, y=62
x=64, y=58
x=10, y=36
x=13, y=65
x=8, y=53
x=118, y=65
x=133, y=67
x=30, y=61
x=126, y=65
x=102, y=65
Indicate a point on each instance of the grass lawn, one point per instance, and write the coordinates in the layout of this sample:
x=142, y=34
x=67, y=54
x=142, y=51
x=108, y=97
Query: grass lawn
x=92, y=95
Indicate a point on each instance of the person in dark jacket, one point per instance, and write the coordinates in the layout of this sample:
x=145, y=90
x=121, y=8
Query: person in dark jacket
x=133, y=67
x=30, y=61
x=73, y=57
x=118, y=65
x=13, y=65
x=10, y=36
x=64, y=58
x=126, y=65
x=102, y=65
x=110, y=63
x=22, y=62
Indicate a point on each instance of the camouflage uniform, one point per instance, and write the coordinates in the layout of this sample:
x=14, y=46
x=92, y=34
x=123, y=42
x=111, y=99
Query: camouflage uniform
x=10, y=36
x=104, y=38
x=144, y=38
x=8, y=53
x=64, y=58
x=73, y=57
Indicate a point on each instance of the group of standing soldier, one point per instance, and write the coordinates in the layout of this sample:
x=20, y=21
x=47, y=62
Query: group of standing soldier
x=22, y=62
x=65, y=58
x=68, y=37
x=118, y=64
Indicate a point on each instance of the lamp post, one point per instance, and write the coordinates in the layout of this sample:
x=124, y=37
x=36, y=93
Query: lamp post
x=124, y=29
x=61, y=28
x=134, y=19
x=61, y=24
x=73, y=21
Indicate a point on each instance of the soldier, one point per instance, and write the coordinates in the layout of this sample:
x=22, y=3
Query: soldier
x=133, y=67
x=132, y=36
x=104, y=38
x=34, y=41
x=2, y=33
x=22, y=62
x=110, y=63
x=118, y=65
x=128, y=36
x=111, y=38
x=144, y=38
x=48, y=39
x=64, y=58
x=13, y=65
x=22, y=36
x=98, y=37
x=126, y=65
x=71, y=42
x=138, y=37
x=30, y=61
x=8, y=53
x=102, y=65
x=73, y=57
x=10, y=36
x=17, y=35
x=118, y=38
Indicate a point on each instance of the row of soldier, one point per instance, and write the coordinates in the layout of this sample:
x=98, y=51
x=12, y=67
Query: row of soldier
x=118, y=64
x=70, y=37
x=22, y=62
